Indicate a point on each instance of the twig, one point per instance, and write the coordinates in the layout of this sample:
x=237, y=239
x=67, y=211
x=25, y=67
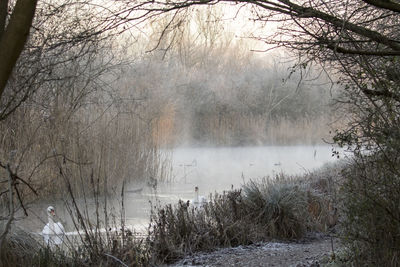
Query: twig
x=115, y=258
x=20, y=199
x=123, y=213
x=11, y=203
x=5, y=191
x=16, y=177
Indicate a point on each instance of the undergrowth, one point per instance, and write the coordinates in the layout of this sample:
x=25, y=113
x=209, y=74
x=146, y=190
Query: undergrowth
x=370, y=196
x=278, y=208
x=357, y=202
x=271, y=208
x=21, y=249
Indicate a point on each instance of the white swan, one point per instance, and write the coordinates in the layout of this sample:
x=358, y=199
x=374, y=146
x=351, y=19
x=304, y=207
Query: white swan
x=53, y=233
x=198, y=201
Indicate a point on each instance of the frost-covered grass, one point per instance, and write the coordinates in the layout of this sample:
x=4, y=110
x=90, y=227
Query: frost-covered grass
x=21, y=249
x=271, y=208
x=281, y=207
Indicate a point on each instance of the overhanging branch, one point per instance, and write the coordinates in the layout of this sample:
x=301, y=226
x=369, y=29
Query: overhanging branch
x=385, y=93
x=343, y=50
x=388, y=4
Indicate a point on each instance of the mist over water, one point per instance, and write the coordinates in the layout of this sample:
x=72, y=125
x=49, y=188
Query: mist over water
x=203, y=93
x=215, y=169
x=212, y=169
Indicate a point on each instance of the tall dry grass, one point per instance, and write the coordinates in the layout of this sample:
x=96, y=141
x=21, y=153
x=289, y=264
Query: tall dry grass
x=240, y=129
x=106, y=142
x=100, y=240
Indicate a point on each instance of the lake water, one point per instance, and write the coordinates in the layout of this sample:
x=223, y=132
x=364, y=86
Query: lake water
x=218, y=169
x=212, y=170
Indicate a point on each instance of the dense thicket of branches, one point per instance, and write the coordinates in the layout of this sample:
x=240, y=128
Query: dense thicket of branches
x=59, y=35
x=59, y=110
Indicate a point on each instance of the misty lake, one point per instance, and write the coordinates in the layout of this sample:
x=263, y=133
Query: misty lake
x=212, y=170
x=218, y=169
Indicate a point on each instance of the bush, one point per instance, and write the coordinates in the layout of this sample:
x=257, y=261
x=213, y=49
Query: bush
x=370, y=204
x=281, y=207
x=18, y=248
x=290, y=206
x=183, y=229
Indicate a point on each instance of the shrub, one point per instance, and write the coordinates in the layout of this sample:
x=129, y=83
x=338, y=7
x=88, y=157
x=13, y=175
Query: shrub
x=281, y=207
x=182, y=229
x=18, y=248
x=370, y=204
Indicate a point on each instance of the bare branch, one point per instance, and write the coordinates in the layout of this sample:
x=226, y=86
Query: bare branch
x=385, y=4
x=11, y=208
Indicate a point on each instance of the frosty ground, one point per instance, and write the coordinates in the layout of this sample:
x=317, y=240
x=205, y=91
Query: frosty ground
x=307, y=252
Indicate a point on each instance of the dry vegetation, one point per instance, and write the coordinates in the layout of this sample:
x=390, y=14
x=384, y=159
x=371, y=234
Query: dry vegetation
x=216, y=104
x=78, y=120
x=106, y=117
x=279, y=208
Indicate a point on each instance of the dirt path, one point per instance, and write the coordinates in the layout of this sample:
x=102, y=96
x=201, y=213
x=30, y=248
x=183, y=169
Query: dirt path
x=301, y=254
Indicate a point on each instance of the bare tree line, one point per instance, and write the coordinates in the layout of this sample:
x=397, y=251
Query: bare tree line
x=225, y=102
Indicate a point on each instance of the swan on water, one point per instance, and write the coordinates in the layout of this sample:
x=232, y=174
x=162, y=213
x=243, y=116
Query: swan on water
x=53, y=233
x=198, y=201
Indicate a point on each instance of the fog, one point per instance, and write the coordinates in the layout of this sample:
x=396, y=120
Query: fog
x=215, y=170
x=204, y=111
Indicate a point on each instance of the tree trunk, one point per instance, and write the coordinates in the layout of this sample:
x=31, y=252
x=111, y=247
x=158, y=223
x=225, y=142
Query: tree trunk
x=14, y=37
